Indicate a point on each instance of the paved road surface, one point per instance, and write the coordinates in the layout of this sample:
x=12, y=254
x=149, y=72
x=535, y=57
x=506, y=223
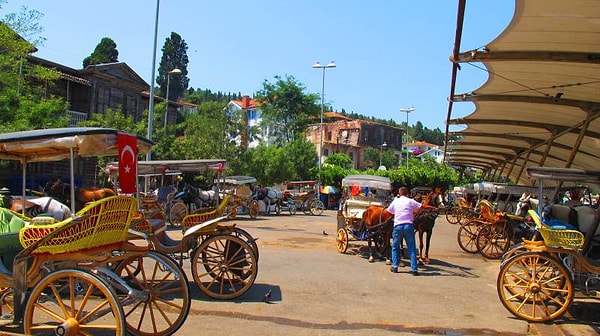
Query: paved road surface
x=317, y=291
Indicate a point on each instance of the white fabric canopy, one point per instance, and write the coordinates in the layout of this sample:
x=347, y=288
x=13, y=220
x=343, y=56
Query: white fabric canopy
x=541, y=103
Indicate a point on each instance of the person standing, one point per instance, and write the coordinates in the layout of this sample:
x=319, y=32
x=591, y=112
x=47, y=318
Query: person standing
x=403, y=208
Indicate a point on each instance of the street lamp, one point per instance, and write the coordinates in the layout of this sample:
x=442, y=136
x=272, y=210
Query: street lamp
x=381, y=153
x=407, y=110
x=172, y=72
x=318, y=65
x=151, y=103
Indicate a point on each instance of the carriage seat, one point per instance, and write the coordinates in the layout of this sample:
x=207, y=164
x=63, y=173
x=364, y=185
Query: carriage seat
x=355, y=207
x=585, y=215
x=10, y=224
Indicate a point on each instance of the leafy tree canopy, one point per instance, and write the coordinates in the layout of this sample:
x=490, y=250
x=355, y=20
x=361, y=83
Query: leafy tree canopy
x=284, y=103
x=105, y=52
x=174, y=56
x=24, y=102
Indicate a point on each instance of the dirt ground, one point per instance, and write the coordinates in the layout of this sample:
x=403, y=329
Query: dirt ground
x=315, y=290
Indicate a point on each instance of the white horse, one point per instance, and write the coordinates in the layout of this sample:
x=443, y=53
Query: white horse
x=208, y=196
x=47, y=205
x=273, y=196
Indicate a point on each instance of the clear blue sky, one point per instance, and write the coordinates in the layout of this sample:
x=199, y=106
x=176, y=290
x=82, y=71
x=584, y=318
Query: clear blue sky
x=390, y=54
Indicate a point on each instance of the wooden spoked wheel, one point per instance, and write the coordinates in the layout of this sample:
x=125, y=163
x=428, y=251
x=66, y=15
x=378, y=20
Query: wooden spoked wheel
x=247, y=237
x=278, y=209
x=165, y=286
x=6, y=301
x=177, y=213
x=224, y=267
x=493, y=240
x=453, y=216
x=342, y=240
x=467, y=236
x=535, y=286
x=292, y=208
x=316, y=207
x=254, y=209
x=466, y=215
x=73, y=302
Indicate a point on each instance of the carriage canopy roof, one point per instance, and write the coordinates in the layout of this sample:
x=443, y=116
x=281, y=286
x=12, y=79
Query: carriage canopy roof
x=540, y=104
x=238, y=180
x=56, y=143
x=371, y=181
x=170, y=166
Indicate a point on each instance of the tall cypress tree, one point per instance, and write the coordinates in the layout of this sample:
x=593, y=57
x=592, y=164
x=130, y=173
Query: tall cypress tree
x=174, y=56
x=105, y=52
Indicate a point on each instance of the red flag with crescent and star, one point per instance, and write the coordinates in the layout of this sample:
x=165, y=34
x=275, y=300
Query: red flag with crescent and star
x=127, y=162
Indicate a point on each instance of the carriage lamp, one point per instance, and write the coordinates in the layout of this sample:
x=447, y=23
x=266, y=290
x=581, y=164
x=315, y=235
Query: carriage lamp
x=407, y=110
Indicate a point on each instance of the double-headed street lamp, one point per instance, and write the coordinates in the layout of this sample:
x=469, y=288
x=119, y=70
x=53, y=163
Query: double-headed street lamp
x=407, y=110
x=383, y=145
x=172, y=72
x=318, y=65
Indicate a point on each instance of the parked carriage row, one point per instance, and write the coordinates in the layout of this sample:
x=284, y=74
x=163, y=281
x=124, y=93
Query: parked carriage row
x=109, y=268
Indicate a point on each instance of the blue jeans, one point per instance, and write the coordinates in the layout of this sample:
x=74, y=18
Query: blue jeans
x=406, y=232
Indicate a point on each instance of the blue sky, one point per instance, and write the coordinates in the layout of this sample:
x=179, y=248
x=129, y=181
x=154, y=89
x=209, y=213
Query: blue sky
x=390, y=54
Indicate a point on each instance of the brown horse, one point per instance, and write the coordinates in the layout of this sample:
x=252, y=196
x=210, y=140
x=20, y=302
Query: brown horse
x=62, y=192
x=377, y=223
x=424, y=221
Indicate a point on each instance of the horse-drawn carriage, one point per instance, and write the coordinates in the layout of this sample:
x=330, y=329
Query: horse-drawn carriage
x=241, y=189
x=175, y=204
x=537, y=279
x=82, y=273
x=364, y=191
x=302, y=196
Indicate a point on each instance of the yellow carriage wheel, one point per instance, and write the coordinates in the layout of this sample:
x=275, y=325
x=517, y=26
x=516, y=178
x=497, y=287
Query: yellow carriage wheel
x=177, y=213
x=342, y=240
x=316, y=207
x=535, y=286
x=452, y=216
x=224, y=267
x=467, y=235
x=73, y=302
x=493, y=240
x=165, y=287
x=248, y=238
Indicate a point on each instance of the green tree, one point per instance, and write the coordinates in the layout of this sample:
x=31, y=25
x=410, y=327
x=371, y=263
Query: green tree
x=303, y=155
x=26, y=23
x=111, y=119
x=105, y=52
x=271, y=165
x=205, y=134
x=339, y=159
x=284, y=103
x=174, y=56
x=24, y=102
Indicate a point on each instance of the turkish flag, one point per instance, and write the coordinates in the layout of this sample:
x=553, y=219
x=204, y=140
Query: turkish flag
x=127, y=162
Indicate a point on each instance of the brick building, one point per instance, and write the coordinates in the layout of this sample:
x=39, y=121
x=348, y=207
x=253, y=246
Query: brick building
x=353, y=137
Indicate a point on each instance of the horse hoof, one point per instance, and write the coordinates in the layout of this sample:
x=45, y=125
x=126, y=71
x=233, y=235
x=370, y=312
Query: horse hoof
x=388, y=262
x=371, y=259
x=426, y=261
